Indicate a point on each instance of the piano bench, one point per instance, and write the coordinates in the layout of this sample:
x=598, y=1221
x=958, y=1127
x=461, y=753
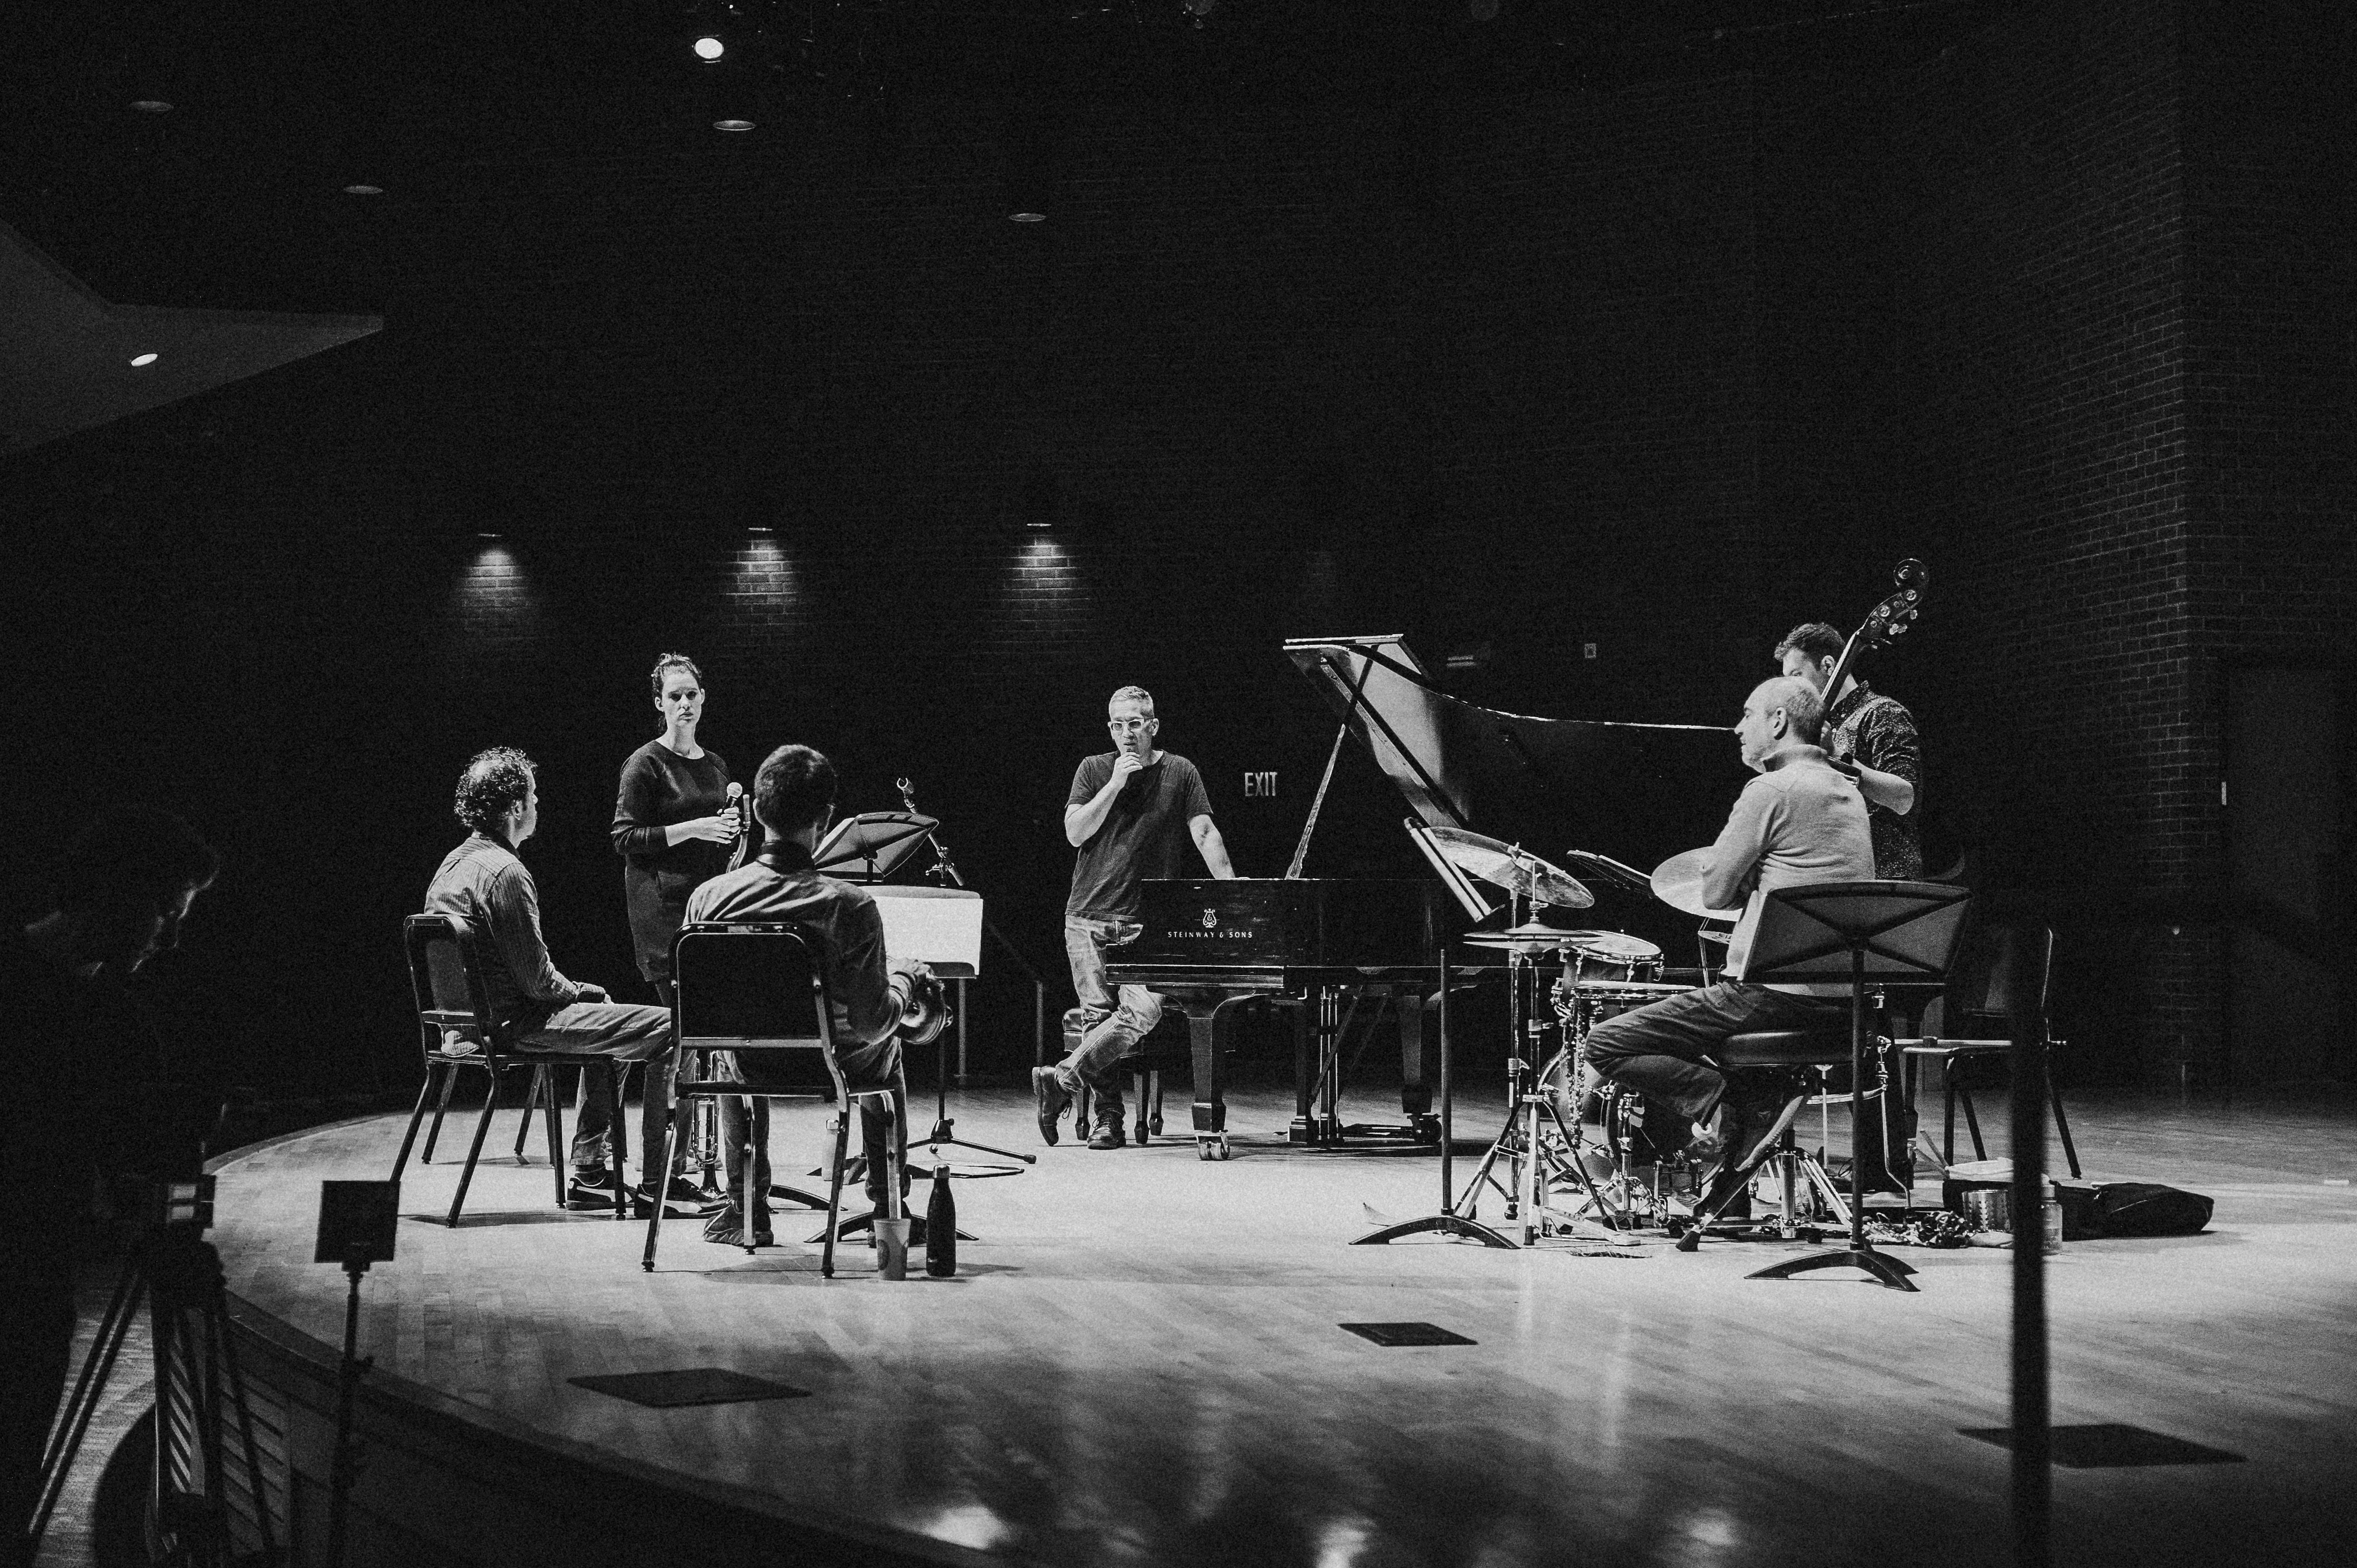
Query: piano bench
x=1166, y=1046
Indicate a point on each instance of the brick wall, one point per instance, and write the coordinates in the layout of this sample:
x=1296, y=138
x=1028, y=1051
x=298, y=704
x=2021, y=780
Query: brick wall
x=1662, y=367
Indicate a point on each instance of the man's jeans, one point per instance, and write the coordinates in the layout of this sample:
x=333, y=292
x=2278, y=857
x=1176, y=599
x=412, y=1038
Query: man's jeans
x=1658, y=1051
x=1109, y=1027
x=873, y=1066
x=622, y=1029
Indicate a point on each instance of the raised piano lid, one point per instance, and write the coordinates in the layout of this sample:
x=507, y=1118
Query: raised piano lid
x=1638, y=792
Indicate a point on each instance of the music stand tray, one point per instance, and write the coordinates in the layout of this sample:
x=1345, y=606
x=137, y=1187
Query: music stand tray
x=1854, y=931
x=872, y=845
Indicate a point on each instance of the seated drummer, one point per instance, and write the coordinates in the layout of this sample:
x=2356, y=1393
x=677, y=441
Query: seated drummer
x=793, y=799
x=1801, y=821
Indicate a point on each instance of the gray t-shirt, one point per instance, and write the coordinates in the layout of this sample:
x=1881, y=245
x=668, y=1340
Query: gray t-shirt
x=1144, y=835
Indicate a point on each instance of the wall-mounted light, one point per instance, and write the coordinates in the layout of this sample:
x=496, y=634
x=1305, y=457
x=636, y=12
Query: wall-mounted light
x=709, y=49
x=731, y=125
x=137, y=360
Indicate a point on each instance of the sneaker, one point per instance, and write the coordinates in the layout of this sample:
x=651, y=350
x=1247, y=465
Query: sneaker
x=592, y=1188
x=727, y=1229
x=1053, y=1098
x=681, y=1193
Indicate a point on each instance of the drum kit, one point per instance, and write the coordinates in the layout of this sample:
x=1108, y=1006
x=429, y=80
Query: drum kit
x=1574, y=1156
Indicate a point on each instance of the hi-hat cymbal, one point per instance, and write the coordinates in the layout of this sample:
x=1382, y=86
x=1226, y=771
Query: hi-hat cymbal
x=1525, y=939
x=1612, y=947
x=1511, y=869
x=1678, y=881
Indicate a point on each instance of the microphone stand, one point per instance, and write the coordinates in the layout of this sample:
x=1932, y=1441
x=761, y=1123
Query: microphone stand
x=944, y=874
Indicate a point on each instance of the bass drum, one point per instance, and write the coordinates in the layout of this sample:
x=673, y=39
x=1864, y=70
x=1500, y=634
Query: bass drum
x=1649, y=1126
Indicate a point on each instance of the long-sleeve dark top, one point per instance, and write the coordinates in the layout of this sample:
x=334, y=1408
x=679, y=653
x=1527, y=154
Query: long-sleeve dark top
x=659, y=788
x=1877, y=732
x=485, y=888
x=842, y=921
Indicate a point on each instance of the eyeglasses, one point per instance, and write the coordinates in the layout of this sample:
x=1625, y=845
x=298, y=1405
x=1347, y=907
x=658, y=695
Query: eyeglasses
x=1126, y=726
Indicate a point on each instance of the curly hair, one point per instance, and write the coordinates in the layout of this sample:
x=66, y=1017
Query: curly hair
x=494, y=782
x=672, y=661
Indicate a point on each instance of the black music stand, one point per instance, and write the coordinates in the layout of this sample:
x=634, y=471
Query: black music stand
x=1447, y=1221
x=1855, y=931
x=872, y=845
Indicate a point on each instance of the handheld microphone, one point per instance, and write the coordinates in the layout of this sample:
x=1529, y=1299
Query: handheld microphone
x=735, y=792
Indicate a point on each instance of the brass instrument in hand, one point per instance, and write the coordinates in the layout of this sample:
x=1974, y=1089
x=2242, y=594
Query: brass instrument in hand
x=924, y=1007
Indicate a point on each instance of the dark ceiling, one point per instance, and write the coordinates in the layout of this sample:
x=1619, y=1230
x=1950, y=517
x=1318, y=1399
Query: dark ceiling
x=235, y=198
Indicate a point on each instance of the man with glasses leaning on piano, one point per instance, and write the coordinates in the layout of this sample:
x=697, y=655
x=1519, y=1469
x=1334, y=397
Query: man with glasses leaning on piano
x=1130, y=814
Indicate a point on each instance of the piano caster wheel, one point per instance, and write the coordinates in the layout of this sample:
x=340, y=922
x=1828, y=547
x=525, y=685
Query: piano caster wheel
x=1211, y=1148
x=1428, y=1130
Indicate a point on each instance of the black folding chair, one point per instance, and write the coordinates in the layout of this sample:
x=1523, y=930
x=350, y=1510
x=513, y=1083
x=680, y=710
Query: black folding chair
x=456, y=1033
x=756, y=991
x=1997, y=991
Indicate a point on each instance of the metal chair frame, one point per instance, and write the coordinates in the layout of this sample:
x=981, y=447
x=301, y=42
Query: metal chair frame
x=698, y=1031
x=454, y=1008
x=1951, y=1051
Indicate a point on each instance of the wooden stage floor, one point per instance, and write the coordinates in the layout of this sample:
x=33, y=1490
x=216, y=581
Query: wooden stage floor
x=1140, y=1363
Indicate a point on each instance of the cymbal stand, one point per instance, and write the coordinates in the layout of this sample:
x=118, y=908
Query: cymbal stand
x=1522, y=1143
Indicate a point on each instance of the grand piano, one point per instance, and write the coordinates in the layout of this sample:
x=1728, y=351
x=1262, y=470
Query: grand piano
x=1638, y=792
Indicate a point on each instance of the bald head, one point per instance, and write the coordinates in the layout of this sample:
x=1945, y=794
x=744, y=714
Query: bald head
x=1802, y=706
x=1780, y=713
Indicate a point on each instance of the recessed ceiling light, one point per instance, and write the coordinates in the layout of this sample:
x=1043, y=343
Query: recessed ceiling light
x=709, y=49
x=1027, y=217
x=152, y=106
x=364, y=190
x=142, y=358
x=731, y=125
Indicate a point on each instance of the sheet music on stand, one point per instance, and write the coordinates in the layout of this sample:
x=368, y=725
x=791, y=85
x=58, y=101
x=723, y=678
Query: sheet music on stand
x=872, y=845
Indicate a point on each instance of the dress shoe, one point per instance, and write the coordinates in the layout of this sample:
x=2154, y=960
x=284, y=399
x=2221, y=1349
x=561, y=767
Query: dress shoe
x=1108, y=1134
x=1053, y=1098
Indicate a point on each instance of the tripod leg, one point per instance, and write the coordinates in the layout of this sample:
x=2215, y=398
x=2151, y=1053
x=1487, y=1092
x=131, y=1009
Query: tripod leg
x=81, y=1404
x=234, y=1378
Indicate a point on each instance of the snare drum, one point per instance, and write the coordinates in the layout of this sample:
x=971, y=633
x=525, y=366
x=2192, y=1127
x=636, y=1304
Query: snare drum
x=1600, y=957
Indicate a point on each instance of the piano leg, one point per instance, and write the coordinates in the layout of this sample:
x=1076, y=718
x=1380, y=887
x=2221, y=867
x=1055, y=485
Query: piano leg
x=1419, y=1062
x=1306, y=1064
x=1207, y=1026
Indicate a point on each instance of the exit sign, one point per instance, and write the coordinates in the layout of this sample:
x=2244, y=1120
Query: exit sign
x=1260, y=786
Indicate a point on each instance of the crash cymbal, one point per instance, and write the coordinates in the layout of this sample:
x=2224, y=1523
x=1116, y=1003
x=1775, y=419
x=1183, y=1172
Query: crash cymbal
x=1513, y=869
x=1525, y=939
x=1678, y=881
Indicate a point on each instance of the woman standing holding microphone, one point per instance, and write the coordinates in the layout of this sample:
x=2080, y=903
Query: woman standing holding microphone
x=674, y=825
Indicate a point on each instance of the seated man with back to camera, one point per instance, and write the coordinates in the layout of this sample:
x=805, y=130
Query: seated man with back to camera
x=1801, y=821
x=793, y=799
x=484, y=887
